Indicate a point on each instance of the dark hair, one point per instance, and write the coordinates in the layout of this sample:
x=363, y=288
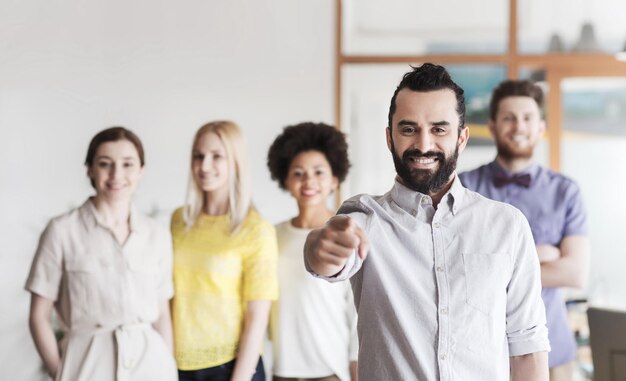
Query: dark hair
x=429, y=77
x=514, y=88
x=308, y=136
x=113, y=134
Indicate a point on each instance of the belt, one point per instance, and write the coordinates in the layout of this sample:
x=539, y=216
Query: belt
x=130, y=342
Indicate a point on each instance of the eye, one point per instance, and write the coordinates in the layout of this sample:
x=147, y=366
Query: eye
x=198, y=156
x=320, y=172
x=439, y=130
x=297, y=174
x=103, y=164
x=407, y=130
x=217, y=156
x=129, y=164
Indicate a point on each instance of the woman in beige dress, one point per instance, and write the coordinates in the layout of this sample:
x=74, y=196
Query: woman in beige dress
x=107, y=271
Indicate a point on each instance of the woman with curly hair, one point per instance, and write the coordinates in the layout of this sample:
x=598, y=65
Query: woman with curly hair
x=313, y=323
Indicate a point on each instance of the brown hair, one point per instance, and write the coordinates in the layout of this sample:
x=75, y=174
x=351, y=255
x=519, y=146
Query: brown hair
x=514, y=88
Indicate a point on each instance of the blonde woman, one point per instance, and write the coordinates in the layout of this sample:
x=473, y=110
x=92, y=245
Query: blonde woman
x=107, y=270
x=224, y=264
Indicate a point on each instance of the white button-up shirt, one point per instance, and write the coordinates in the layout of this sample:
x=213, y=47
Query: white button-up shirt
x=447, y=293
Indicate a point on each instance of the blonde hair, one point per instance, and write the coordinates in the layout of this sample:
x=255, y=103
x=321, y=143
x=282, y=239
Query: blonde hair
x=239, y=200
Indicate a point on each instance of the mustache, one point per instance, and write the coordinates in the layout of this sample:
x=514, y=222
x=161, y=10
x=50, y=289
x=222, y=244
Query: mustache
x=415, y=153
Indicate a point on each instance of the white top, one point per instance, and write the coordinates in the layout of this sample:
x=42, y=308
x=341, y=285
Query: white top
x=313, y=322
x=447, y=293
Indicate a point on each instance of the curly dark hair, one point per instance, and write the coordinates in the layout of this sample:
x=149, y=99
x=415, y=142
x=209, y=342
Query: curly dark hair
x=514, y=88
x=429, y=77
x=308, y=136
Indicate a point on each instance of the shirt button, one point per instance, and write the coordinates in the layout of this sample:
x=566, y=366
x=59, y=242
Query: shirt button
x=440, y=269
x=443, y=356
x=444, y=311
x=436, y=225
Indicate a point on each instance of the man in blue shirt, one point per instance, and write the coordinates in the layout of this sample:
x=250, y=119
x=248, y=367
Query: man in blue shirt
x=551, y=202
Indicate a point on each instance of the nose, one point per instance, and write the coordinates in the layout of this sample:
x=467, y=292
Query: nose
x=520, y=125
x=424, y=142
x=115, y=171
x=307, y=178
x=206, y=163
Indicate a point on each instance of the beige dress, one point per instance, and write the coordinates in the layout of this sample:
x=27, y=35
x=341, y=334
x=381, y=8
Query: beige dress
x=106, y=295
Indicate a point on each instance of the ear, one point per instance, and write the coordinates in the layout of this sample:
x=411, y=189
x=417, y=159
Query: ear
x=492, y=127
x=335, y=183
x=89, y=172
x=542, y=127
x=388, y=134
x=463, y=138
x=140, y=176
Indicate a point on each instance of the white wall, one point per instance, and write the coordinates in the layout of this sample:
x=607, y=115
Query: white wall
x=71, y=68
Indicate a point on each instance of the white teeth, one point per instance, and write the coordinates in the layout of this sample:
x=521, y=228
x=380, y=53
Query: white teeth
x=520, y=138
x=423, y=160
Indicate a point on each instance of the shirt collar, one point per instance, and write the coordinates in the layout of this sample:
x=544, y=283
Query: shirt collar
x=409, y=199
x=92, y=218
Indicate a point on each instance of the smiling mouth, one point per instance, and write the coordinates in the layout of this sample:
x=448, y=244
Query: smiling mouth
x=519, y=139
x=422, y=162
x=309, y=193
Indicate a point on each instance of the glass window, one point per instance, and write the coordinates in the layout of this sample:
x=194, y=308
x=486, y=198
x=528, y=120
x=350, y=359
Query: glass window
x=570, y=26
x=594, y=155
x=412, y=27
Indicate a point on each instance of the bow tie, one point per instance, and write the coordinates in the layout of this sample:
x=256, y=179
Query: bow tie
x=501, y=179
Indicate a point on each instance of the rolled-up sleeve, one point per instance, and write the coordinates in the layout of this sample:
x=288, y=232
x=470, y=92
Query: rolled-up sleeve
x=525, y=313
x=46, y=270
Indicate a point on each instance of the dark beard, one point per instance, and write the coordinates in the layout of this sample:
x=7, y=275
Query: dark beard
x=420, y=180
x=510, y=154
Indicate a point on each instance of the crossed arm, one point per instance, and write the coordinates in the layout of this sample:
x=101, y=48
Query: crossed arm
x=566, y=265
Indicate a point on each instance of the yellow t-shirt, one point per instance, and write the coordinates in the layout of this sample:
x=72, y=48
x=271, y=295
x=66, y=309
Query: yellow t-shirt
x=215, y=275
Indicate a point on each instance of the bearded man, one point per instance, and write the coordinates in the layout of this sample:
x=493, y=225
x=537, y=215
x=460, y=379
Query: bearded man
x=446, y=282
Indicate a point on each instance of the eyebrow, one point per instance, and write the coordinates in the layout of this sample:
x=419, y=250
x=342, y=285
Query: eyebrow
x=440, y=123
x=404, y=122
x=298, y=166
x=216, y=150
x=110, y=158
x=412, y=123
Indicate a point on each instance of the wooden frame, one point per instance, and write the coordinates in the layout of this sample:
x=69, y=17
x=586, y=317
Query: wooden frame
x=556, y=66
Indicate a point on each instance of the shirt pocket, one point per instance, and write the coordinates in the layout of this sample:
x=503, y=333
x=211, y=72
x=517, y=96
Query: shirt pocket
x=85, y=283
x=486, y=279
